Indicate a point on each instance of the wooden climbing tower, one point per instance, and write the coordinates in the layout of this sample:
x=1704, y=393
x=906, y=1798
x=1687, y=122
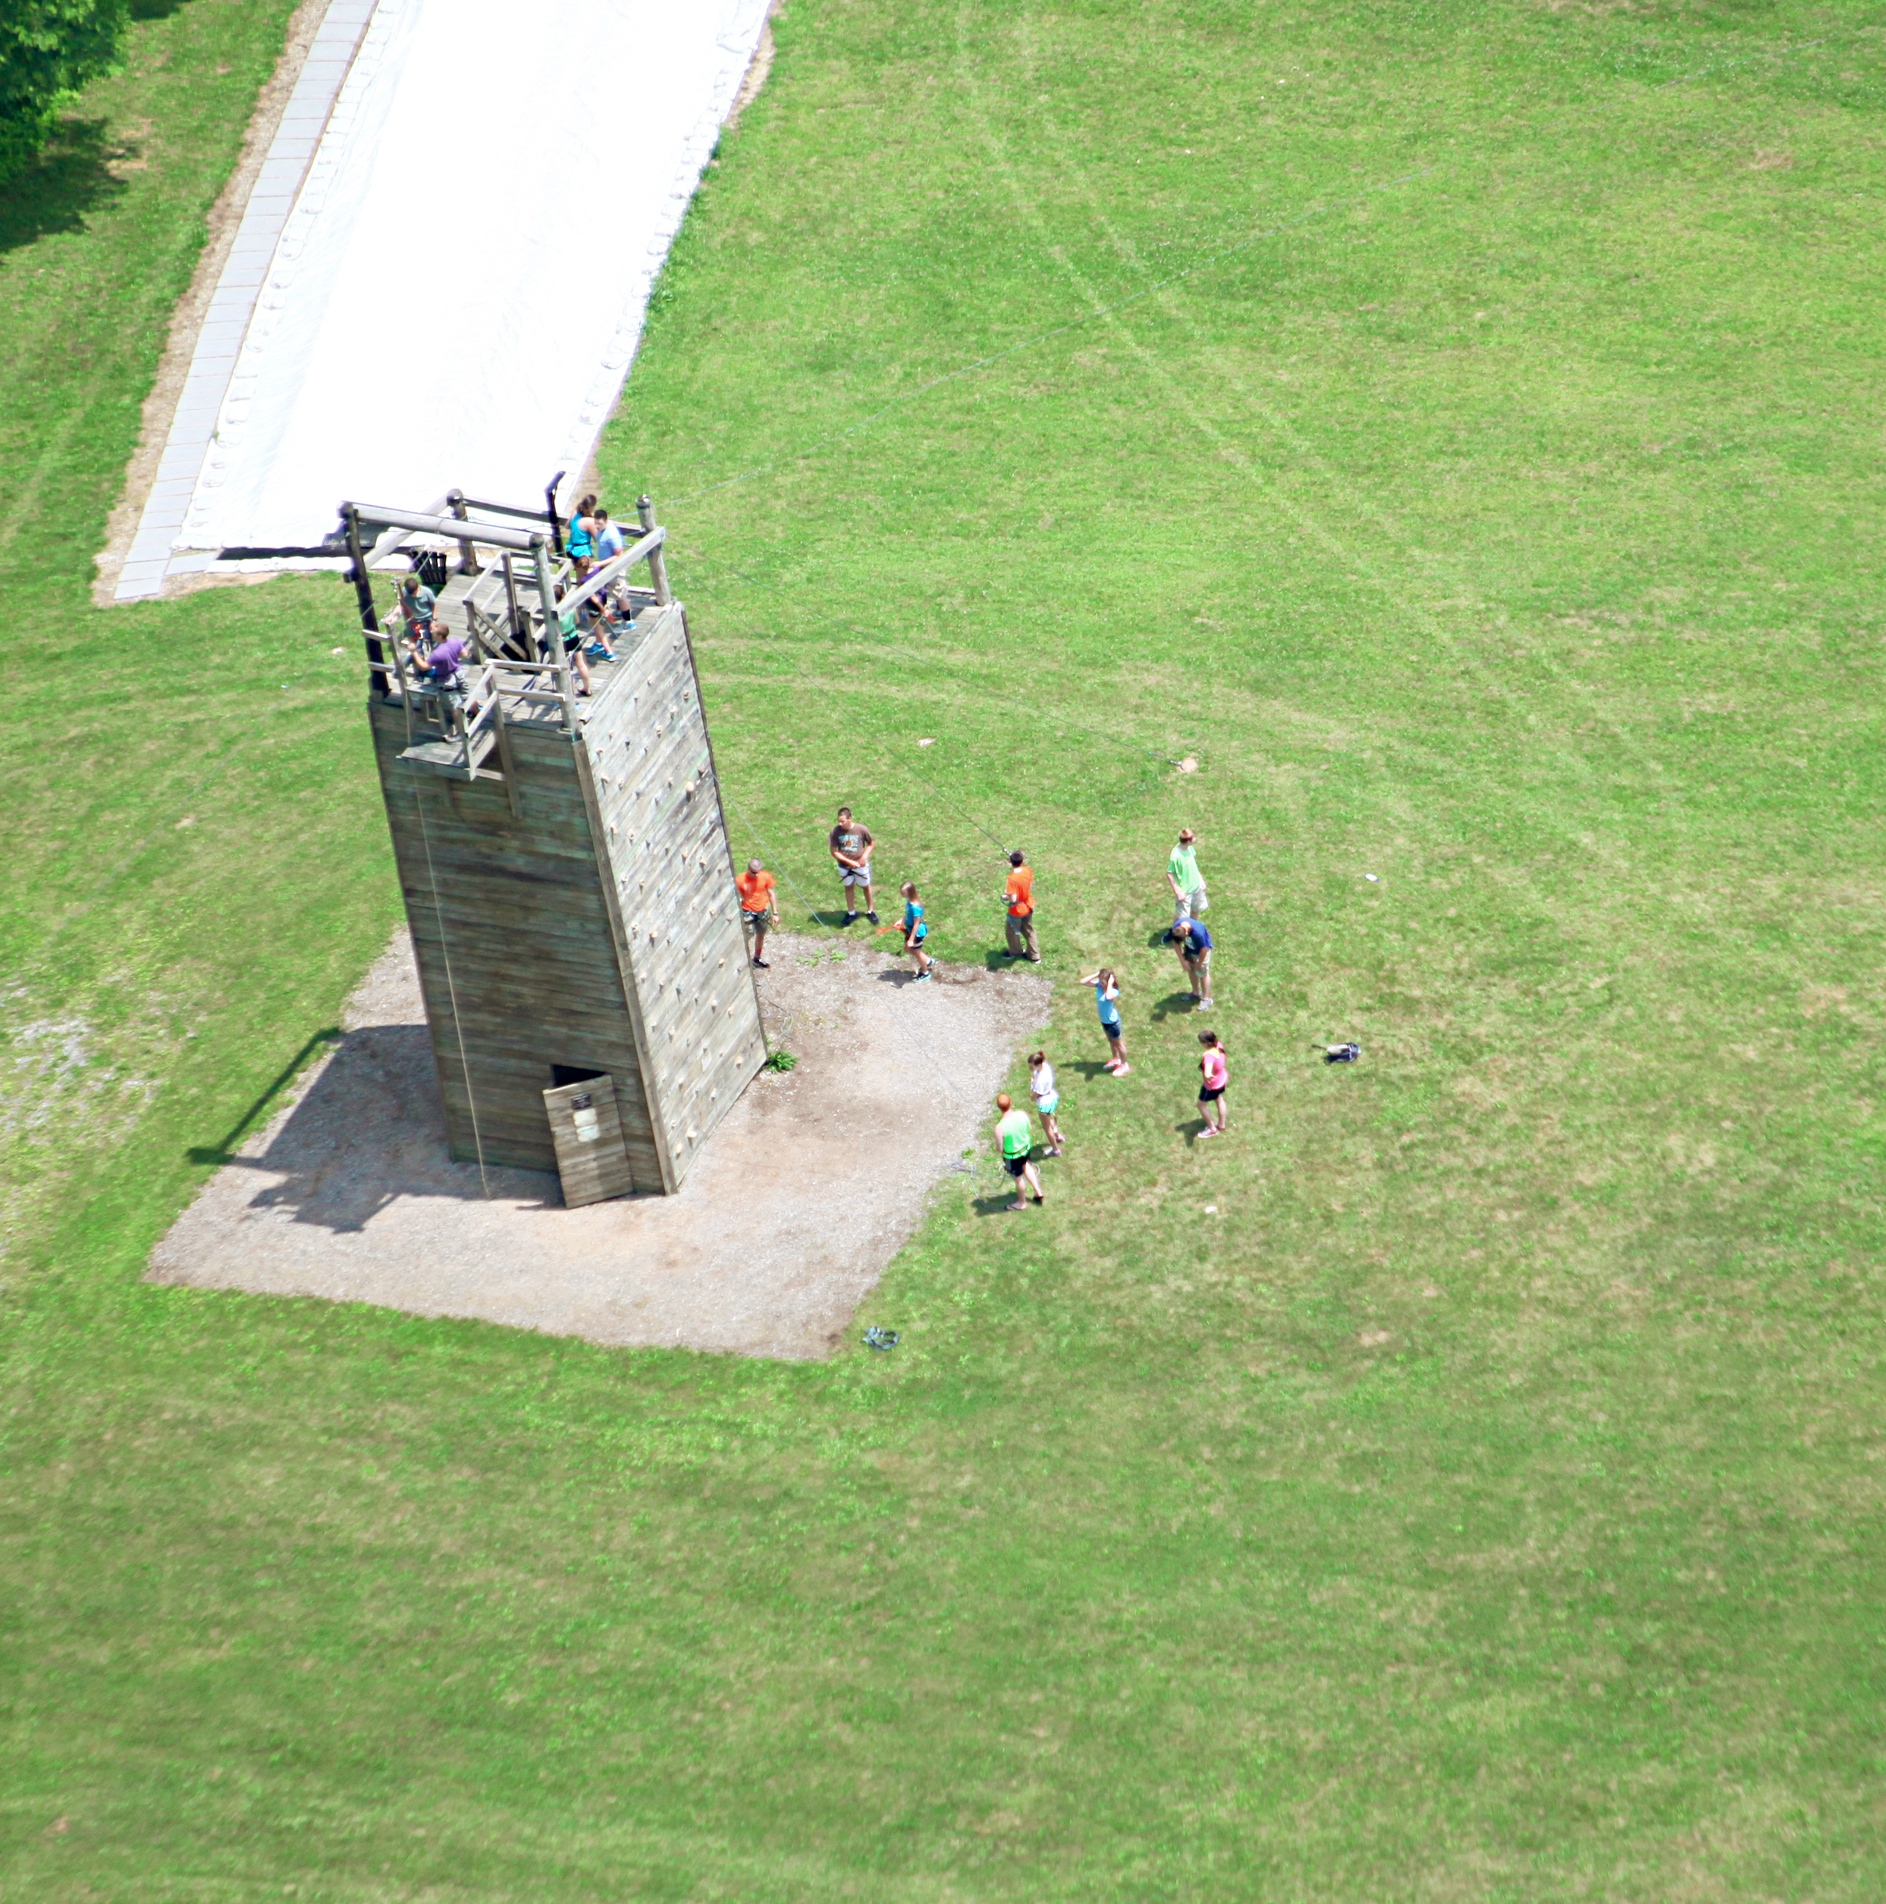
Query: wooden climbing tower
x=563, y=857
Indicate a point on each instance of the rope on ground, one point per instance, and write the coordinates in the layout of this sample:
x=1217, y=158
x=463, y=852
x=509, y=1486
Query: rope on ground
x=464, y=1063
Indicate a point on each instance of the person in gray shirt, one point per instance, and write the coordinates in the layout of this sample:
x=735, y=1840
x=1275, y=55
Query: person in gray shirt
x=851, y=850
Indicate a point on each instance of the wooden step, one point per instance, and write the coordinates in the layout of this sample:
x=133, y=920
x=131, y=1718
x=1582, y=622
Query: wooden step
x=448, y=757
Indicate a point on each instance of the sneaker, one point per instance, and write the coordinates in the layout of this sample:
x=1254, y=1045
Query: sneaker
x=762, y=964
x=921, y=976
x=1120, y=1070
x=851, y=918
x=872, y=916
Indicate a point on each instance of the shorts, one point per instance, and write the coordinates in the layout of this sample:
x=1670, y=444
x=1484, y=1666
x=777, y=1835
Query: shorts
x=1211, y=1097
x=1015, y=1165
x=754, y=921
x=854, y=875
x=1047, y=1106
x=1111, y=1026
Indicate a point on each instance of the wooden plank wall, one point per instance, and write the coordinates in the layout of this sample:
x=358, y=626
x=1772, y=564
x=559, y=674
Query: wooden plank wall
x=510, y=918
x=657, y=811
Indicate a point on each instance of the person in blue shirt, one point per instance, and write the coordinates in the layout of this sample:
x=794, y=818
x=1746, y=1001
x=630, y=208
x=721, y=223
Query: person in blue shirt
x=609, y=543
x=1107, y=997
x=1193, y=938
x=916, y=930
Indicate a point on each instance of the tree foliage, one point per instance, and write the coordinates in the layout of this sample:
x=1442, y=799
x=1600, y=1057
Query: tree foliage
x=48, y=50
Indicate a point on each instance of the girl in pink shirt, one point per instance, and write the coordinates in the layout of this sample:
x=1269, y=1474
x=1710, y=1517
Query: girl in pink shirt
x=1214, y=1074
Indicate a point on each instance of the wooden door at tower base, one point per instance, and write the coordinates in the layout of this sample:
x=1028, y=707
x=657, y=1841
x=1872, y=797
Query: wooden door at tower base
x=587, y=1131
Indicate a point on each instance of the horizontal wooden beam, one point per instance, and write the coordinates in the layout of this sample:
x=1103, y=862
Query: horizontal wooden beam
x=506, y=509
x=494, y=535
x=617, y=565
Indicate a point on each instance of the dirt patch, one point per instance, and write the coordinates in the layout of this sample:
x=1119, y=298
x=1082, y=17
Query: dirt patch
x=762, y=64
x=186, y=322
x=814, y=1181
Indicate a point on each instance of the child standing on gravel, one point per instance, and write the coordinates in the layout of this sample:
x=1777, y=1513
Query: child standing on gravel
x=916, y=930
x=1107, y=997
x=1047, y=1099
x=759, y=905
x=1214, y=1074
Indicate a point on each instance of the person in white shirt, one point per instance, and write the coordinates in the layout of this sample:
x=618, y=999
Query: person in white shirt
x=1047, y=1099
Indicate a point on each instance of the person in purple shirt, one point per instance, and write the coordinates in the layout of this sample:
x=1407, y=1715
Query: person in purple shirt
x=439, y=674
x=442, y=664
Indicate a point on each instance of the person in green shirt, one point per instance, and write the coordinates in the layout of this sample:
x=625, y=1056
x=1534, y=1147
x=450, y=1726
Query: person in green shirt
x=1187, y=882
x=1016, y=1136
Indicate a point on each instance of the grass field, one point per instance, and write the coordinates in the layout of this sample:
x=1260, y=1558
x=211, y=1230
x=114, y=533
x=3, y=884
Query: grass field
x=1458, y=428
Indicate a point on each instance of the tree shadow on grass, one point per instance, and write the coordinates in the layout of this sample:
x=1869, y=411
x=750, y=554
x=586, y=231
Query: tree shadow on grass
x=71, y=179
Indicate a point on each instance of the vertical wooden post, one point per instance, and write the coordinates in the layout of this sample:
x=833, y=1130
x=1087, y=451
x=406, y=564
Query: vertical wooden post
x=467, y=556
x=363, y=595
x=657, y=564
x=550, y=510
x=553, y=627
x=517, y=630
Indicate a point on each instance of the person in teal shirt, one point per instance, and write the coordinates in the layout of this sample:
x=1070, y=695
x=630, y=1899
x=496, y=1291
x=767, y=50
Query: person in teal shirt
x=916, y=930
x=581, y=540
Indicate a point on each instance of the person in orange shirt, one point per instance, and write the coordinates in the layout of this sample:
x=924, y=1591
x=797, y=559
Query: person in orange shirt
x=1020, y=894
x=759, y=905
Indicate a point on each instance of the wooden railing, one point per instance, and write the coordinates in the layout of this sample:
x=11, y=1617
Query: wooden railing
x=539, y=678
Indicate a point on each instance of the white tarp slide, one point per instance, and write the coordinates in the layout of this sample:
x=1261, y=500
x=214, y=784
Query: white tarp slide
x=458, y=288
